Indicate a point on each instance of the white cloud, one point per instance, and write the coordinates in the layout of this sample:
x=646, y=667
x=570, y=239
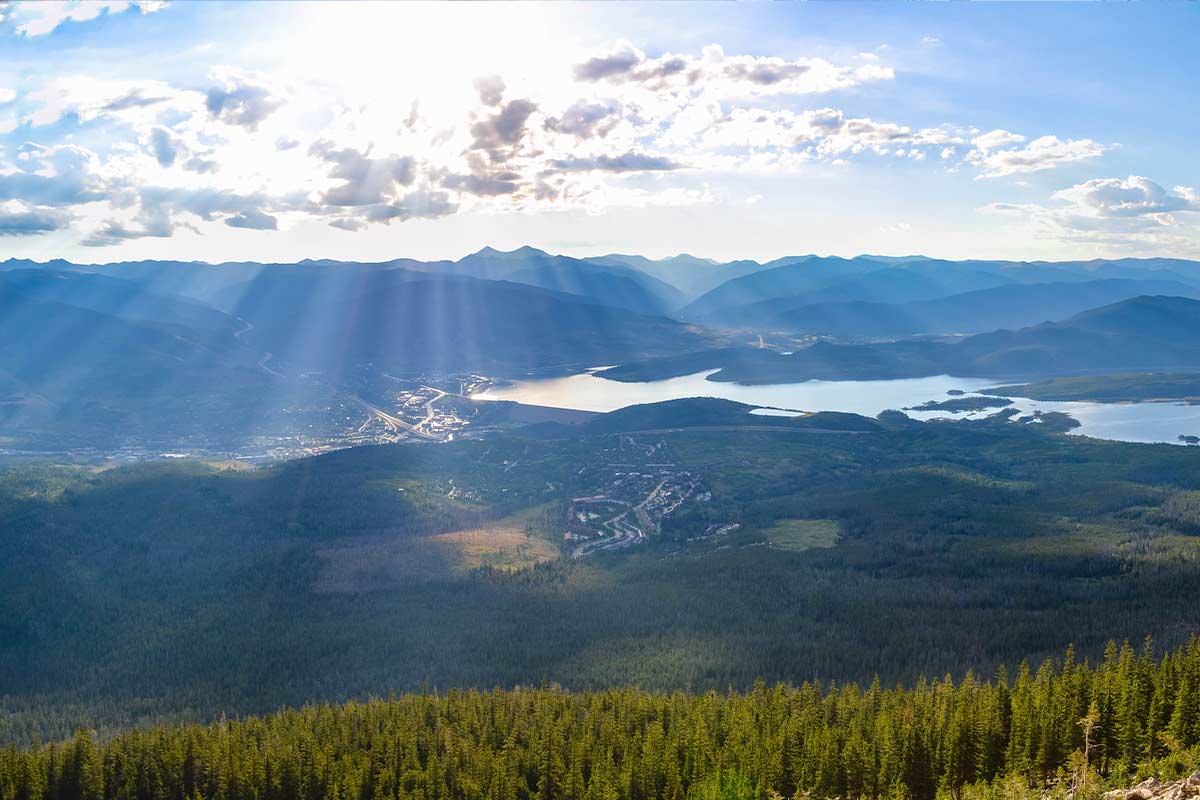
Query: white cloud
x=7, y=95
x=996, y=138
x=43, y=17
x=1132, y=197
x=930, y=41
x=1045, y=152
x=1133, y=214
x=90, y=98
x=721, y=75
x=22, y=219
x=263, y=150
x=242, y=99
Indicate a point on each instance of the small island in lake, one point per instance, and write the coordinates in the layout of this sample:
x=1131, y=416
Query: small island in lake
x=961, y=404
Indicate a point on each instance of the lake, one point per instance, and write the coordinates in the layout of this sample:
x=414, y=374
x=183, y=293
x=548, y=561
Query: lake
x=1128, y=422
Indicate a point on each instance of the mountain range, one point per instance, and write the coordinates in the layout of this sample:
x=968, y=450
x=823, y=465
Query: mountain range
x=1154, y=333
x=157, y=344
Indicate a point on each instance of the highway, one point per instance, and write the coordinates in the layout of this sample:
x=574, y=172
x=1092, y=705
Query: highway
x=394, y=422
x=429, y=405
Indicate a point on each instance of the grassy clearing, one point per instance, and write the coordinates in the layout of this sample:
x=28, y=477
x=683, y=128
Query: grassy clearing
x=798, y=535
x=371, y=564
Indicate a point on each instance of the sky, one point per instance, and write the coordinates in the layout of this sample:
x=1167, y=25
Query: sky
x=279, y=131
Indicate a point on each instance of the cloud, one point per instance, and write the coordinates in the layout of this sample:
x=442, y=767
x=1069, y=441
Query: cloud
x=240, y=102
x=253, y=219
x=930, y=41
x=626, y=162
x=351, y=224
x=19, y=219
x=824, y=133
x=366, y=181
x=719, y=74
x=585, y=120
x=1134, y=214
x=484, y=185
x=500, y=133
x=1134, y=196
x=248, y=149
x=996, y=138
x=423, y=203
x=88, y=98
x=134, y=98
x=43, y=17
x=164, y=145
x=201, y=165
x=491, y=90
x=159, y=204
x=114, y=232
x=7, y=95
x=64, y=175
x=615, y=65
x=1046, y=152
x=158, y=211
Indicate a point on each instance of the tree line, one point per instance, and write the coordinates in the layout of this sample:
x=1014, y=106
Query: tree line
x=1066, y=724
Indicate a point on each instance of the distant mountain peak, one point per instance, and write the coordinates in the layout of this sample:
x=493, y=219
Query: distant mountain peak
x=690, y=257
x=521, y=252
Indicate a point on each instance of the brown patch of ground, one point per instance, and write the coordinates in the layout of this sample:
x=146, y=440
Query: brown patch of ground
x=364, y=565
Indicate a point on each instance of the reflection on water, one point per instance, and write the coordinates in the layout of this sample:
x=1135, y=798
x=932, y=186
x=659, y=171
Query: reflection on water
x=1132, y=422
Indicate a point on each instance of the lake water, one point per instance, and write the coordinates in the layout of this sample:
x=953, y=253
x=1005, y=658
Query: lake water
x=1132, y=422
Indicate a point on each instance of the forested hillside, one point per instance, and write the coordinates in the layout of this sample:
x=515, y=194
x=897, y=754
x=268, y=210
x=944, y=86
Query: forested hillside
x=187, y=590
x=1065, y=726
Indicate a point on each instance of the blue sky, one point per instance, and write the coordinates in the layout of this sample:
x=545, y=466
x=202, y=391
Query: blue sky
x=279, y=131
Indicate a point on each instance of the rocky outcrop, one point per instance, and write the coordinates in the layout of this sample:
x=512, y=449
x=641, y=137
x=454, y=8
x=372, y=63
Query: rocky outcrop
x=1154, y=789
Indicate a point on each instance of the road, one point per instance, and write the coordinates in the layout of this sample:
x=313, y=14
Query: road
x=393, y=422
x=429, y=405
x=262, y=364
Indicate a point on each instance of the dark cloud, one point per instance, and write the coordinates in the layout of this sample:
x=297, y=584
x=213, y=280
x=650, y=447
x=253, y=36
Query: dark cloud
x=491, y=89
x=368, y=181
x=32, y=222
x=244, y=104
x=827, y=120
x=615, y=64
x=628, y=162
x=207, y=203
x=201, y=165
x=500, y=133
x=159, y=209
x=71, y=183
x=253, y=219
x=765, y=73
x=347, y=224
x=164, y=146
x=132, y=99
x=484, y=185
x=423, y=203
x=628, y=65
x=156, y=225
x=585, y=120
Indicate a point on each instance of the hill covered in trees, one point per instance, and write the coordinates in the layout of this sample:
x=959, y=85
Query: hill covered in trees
x=183, y=590
x=1065, y=726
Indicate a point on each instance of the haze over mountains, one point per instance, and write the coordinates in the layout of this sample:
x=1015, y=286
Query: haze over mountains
x=142, y=341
